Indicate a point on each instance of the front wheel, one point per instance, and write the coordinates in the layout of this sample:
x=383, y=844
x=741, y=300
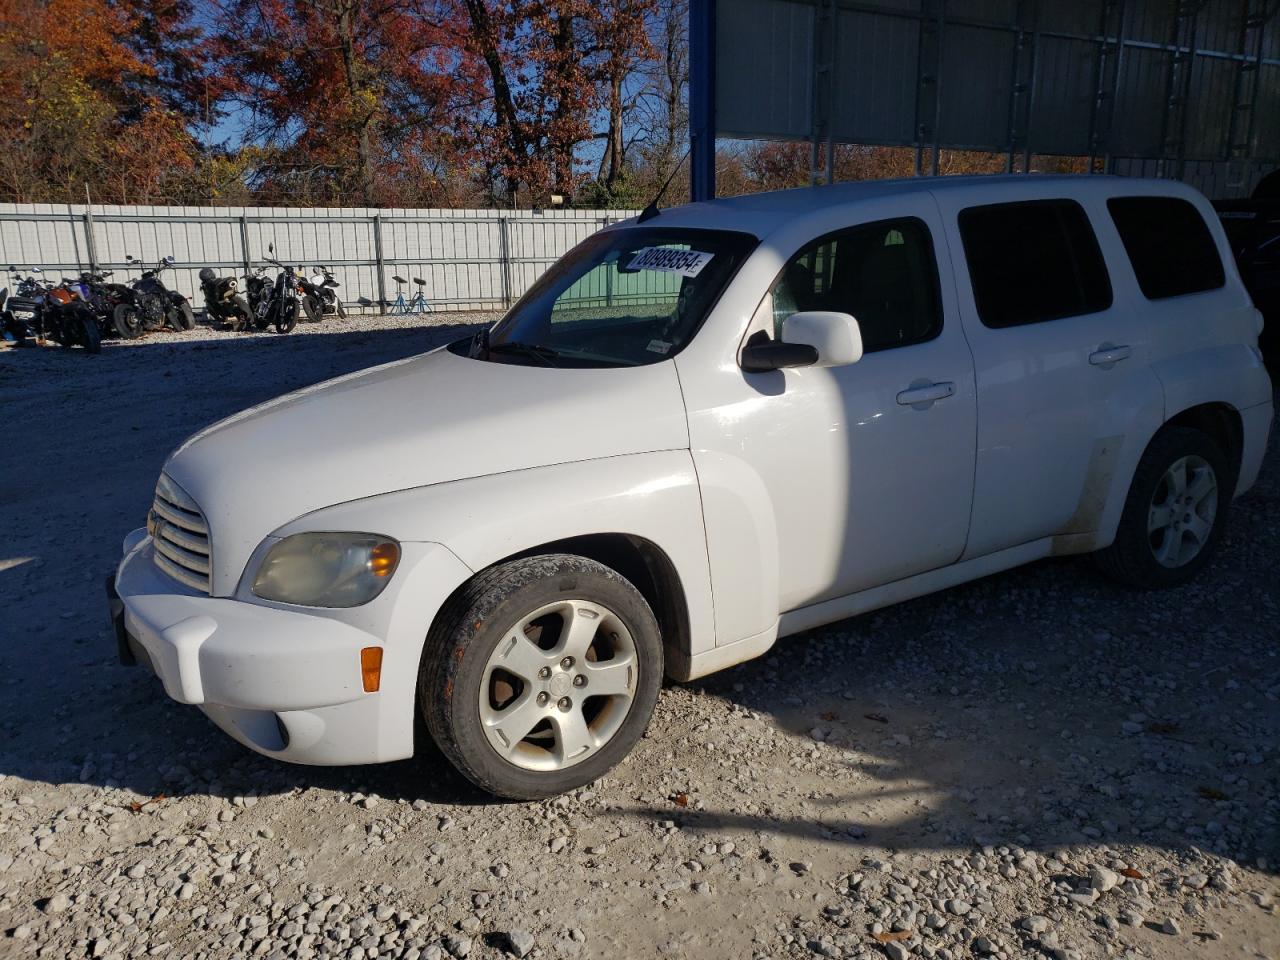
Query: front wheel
x=287, y=318
x=181, y=316
x=88, y=332
x=540, y=675
x=313, y=308
x=127, y=319
x=1174, y=513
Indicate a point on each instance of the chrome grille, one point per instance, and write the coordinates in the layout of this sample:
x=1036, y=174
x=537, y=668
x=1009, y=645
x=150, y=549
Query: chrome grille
x=180, y=536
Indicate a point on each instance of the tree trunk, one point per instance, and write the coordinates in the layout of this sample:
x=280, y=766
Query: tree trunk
x=611, y=161
x=363, y=132
x=485, y=39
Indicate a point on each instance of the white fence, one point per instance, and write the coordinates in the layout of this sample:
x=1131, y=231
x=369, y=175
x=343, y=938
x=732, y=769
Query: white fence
x=468, y=259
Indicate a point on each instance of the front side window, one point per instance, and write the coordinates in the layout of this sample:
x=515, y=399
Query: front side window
x=882, y=274
x=1033, y=261
x=1169, y=245
x=623, y=297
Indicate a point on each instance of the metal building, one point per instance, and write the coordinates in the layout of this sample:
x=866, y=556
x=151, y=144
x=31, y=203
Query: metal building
x=1177, y=88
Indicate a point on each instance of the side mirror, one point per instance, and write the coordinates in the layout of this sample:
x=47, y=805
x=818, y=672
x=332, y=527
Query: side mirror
x=271, y=248
x=835, y=336
x=128, y=258
x=764, y=354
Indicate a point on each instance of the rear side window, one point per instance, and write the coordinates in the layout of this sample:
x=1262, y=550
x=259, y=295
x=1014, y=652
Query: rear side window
x=1033, y=261
x=1169, y=245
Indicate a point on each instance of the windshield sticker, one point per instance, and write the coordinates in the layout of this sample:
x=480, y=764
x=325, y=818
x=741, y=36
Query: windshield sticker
x=659, y=346
x=687, y=263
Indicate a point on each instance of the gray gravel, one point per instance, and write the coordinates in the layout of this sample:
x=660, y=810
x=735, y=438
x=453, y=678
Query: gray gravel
x=1035, y=765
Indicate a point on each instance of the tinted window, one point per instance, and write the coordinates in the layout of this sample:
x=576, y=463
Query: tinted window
x=883, y=274
x=1169, y=245
x=1033, y=261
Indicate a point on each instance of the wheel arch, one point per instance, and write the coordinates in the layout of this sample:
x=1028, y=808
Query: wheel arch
x=645, y=565
x=1095, y=528
x=1221, y=422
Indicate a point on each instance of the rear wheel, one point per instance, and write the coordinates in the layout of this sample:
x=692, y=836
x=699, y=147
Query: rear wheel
x=540, y=675
x=1174, y=513
x=127, y=320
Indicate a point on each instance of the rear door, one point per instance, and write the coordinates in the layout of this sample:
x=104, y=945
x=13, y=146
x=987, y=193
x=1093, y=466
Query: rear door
x=1061, y=364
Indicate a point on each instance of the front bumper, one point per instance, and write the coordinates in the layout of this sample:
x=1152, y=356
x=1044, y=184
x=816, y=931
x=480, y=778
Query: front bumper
x=285, y=682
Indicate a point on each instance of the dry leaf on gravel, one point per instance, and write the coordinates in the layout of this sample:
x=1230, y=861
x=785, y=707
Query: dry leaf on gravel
x=894, y=937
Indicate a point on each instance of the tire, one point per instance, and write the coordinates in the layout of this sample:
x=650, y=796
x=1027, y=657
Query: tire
x=127, y=320
x=342, y=311
x=88, y=333
x=287, y=318
x=314, y=311
x=465, y=677
x=1159, y=546
x=181, y=317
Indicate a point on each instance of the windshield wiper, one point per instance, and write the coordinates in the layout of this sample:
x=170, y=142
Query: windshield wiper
x=544, y=355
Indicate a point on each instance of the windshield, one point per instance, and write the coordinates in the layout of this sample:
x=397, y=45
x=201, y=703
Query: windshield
x=622, y=297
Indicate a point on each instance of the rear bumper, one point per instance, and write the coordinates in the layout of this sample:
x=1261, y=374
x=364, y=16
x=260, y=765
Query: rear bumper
x=285, y=682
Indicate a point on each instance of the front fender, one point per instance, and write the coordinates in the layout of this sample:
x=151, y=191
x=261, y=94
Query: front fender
x=483, y=520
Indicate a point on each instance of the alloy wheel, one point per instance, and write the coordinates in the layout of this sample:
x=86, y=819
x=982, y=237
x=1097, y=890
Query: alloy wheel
x=559, y=685
x=1182, y=512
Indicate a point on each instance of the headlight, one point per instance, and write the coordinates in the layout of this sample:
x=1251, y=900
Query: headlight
x=327, y=569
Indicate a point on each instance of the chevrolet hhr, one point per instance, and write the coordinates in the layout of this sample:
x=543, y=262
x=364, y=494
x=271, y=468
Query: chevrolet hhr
x=699, y=431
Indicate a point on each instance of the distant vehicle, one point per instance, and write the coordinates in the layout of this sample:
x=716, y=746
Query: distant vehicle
x=222, y=300
x=281, y=305
x=320, y=295
x=147, y=304
x=1253, y=228
x=698, y=431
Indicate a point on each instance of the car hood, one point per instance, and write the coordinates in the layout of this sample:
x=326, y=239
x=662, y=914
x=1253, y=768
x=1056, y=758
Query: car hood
x=429, y=419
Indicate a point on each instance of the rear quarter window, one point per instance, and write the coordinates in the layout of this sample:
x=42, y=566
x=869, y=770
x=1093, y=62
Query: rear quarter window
x=1169, y=246
x=1033, y=261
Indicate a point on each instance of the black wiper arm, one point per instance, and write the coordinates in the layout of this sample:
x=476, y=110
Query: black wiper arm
x=544, y=355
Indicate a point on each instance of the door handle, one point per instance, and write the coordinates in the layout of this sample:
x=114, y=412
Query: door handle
x=926, y=394
x=1106, y=355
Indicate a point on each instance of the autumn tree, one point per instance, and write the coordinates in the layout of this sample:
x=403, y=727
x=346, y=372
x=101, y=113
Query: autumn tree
x=354, y=98
x=81, y=107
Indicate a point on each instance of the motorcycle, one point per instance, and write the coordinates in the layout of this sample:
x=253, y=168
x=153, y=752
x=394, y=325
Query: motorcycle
x=20, y=320
x=258, y=288
x=222, y=300
x=320, y=295
x=103, y=297
x=68, y=318
x=149, y=304
x=282, y=302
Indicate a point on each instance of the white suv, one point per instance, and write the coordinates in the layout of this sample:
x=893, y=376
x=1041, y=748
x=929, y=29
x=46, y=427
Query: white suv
x=697, y=432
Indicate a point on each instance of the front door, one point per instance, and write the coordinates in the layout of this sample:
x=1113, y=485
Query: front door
x=868, y=468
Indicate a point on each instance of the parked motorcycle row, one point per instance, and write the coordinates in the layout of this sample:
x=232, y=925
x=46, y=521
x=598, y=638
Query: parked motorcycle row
x=81, y=311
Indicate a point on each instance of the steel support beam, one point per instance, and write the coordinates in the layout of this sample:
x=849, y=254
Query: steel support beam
x=702, y=100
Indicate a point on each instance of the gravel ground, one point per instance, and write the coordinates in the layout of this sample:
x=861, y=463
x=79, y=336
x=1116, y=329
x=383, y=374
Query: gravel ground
x=1035, y=765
